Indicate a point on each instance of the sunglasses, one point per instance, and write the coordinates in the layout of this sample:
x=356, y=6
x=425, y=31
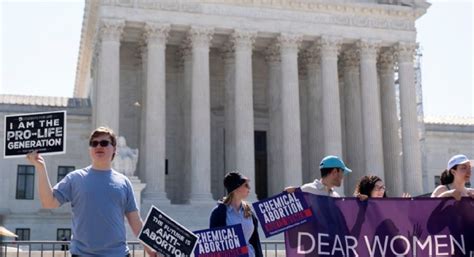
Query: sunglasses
x=95, y=143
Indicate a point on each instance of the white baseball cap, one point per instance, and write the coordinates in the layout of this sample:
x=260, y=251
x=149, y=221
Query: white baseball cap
x=458, y=159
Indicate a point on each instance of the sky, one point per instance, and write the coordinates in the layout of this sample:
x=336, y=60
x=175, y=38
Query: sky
x=39, y=45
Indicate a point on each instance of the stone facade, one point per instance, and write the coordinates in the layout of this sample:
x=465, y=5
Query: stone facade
x=264, y=87
x=445, y=137
x=27, y=213
x=214, y=80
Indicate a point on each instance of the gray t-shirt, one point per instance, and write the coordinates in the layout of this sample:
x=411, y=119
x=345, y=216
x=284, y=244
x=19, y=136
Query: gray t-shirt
x=99, y=201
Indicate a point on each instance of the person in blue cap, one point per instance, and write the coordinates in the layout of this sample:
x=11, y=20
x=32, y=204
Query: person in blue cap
x=454, y=178
x=332, y=170
x=329, y=219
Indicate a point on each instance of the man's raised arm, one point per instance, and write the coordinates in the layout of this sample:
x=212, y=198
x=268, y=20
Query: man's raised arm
x=45, y=190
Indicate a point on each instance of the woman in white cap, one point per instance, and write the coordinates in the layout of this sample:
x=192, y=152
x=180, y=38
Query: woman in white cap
x=454, y=179
x=232, y=209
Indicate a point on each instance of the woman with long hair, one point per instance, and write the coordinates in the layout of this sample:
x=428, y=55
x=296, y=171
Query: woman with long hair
x=232, y=209
x=454, y=178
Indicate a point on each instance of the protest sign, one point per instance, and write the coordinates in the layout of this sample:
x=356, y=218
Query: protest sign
x=384, y=227
x=167, y=236
x=44, y=132
x=282, y=212
x=221, y=242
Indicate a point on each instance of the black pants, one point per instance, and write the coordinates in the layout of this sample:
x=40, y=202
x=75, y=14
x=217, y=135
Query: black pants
x=75, y=255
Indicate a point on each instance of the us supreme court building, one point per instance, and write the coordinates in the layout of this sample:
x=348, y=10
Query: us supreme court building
x=265, y=87
x=195, y=84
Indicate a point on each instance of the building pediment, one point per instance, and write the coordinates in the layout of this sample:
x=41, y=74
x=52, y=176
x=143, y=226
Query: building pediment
x=365, y=7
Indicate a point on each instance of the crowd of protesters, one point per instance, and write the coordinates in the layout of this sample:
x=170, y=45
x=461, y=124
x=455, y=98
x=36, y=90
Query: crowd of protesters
x=98, y=221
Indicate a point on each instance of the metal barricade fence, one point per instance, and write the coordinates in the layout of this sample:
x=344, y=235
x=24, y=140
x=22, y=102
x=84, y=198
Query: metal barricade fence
x=273, y=248
x=270, y=248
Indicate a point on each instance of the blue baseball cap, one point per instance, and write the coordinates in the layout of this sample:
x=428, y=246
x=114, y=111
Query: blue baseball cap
x=458, y=159
x=332, y=161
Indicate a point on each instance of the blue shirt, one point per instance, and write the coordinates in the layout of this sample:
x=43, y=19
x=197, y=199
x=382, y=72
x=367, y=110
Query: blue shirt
x=233, y=217
x=99, y=201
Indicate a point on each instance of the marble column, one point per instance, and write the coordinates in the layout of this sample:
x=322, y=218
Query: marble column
x=155, y=111
x=200, y=144
x=306, y=174
x=108, y=86
x=242, y=42
x=390, y=125
x=409, y=119
x=141, y=157
x=354, y=143
x=371, y=113
x=229, y=110
x=315, y=116
x=291, y=130
x=185, y=54
x=330, y=101
x=275, y=160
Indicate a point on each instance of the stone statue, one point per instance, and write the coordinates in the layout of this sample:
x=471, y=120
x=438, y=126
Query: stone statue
x=125, y=160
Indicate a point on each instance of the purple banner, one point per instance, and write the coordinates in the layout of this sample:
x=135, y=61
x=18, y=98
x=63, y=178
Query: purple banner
x=221, y=242
x=282, y=212
x=384, y=227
